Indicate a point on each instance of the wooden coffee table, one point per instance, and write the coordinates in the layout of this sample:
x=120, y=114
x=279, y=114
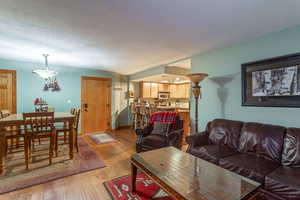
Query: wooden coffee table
x=184, y=176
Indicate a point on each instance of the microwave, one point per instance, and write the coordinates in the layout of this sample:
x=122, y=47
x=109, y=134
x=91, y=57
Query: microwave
x=163, y=95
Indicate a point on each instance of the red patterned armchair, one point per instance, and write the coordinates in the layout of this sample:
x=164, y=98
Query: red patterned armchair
x=164, y=129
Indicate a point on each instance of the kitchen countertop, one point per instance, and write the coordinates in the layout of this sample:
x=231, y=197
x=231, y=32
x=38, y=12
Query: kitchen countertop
x=177, y=108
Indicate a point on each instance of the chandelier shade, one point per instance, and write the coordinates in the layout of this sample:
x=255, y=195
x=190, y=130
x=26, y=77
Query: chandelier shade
x=45, y=73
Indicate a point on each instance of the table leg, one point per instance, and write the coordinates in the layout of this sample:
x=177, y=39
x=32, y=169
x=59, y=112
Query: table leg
x=71, y=139
x=2, y=151
x=133, y=176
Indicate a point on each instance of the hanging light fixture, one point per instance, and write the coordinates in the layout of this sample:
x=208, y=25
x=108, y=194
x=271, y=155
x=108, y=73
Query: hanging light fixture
x=45, y=73
x=48, y=75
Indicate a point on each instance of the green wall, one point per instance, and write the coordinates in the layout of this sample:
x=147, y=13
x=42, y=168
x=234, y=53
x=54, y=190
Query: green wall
x=222, y=90
x=30, y=86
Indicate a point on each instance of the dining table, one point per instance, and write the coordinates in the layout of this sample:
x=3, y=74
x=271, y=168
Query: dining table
x=17, y=120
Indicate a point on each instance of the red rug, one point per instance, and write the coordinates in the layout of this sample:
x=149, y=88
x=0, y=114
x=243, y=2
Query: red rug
x=17, y=177
x=120, y=189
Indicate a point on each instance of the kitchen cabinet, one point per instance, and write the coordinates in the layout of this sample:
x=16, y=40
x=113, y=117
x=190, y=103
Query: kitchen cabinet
x=145, y=90
x=177, y=90
x=163, y=87
x=148, y=90
x=181, y=91
x=187, y=90
x=154, y=90
x=173, y=91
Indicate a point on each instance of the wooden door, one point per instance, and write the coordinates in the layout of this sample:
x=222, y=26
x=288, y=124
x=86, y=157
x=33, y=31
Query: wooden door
x=95, y=104
x=8, y=90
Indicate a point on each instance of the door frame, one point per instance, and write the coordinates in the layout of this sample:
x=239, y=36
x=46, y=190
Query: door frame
x=14, y=88
x=83, y=78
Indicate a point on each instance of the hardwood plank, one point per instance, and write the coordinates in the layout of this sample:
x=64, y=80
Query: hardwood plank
x=86, y=186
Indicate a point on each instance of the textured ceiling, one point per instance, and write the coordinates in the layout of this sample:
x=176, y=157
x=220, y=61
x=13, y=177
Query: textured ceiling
x=128, y=36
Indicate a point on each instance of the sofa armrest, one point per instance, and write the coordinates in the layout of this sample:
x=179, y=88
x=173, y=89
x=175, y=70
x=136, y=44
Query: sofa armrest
x=176, y=133
x=198, y=139
x=144, y=132
x=175, y=138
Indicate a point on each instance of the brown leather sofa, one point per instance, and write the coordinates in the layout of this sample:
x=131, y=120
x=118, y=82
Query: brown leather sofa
x=147, y=141
x=265, y=153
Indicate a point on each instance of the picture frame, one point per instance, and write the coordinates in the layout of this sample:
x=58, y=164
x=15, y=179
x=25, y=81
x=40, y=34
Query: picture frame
x=272, y=82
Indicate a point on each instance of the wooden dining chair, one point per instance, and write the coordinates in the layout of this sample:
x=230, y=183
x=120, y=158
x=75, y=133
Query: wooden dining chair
x=72, y=111
x=37, y=126
x=12, y=133
x=12, y=137
x=76, y=124
x=66, y=129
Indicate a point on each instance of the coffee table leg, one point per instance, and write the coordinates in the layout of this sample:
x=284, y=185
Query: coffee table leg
x=133, y=176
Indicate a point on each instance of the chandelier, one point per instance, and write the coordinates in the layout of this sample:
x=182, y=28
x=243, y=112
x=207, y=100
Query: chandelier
x=48, y=75
x=45, y=73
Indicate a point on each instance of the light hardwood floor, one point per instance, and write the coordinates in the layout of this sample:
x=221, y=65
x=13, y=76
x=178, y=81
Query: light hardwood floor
x=86, y=186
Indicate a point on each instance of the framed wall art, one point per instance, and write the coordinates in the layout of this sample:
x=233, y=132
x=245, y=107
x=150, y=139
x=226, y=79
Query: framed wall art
x=273, y=82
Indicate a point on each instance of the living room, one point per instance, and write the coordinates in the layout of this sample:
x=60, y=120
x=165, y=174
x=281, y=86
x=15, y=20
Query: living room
x=243, y=99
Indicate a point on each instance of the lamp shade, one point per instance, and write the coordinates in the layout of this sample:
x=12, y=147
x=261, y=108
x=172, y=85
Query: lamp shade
x=197, y=77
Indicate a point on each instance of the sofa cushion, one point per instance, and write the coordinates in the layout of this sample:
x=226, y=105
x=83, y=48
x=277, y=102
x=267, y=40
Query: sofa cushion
x=249, y=166
x=284, y=182
x=226, y=132
x=263, y=140
x=291, y=148
x=156, y=141
x=212, y=153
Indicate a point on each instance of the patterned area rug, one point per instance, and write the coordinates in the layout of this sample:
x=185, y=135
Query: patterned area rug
x=120, y=189
x=17, y=177
x=101, y=138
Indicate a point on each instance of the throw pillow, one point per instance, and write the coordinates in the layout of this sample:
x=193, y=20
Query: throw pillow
x=161, y=128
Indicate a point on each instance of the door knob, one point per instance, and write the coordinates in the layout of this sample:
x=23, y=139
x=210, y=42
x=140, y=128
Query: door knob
x=85, y=106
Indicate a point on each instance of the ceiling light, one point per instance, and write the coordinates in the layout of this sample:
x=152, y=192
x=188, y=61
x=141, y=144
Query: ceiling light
x=45, y=73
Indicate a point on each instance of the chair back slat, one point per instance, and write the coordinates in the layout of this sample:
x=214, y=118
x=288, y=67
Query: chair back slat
x=72, y=111
x=38, y=122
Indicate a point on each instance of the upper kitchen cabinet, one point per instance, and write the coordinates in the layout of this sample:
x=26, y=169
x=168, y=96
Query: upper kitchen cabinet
x=187, y=90
x=173, y=91
x=163, y=87
x=177, y=90
x=154, y=90
x=145, y=90
x=149, y=90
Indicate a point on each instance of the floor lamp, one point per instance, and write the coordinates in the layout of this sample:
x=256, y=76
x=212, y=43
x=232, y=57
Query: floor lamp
x=196, y=89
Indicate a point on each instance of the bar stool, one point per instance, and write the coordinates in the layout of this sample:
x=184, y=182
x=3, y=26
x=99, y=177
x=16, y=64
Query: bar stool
x=144, y=113
x=133, y=115
x=152, y=109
